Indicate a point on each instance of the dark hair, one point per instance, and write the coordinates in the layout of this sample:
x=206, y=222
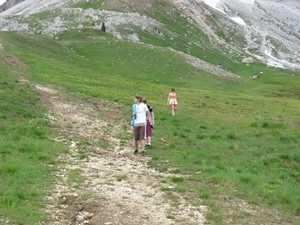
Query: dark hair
x=173, y=89
x=144, y=100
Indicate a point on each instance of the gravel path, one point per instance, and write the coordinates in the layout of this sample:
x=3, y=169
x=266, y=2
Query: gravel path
x=112, y=186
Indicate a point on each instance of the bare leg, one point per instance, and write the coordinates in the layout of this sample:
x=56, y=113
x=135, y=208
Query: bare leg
x=149, y=140
x=173, y=110
x=136, y=143
x=143, y=143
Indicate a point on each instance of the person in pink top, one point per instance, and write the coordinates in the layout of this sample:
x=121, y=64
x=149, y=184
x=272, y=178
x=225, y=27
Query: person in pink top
x=172, y=101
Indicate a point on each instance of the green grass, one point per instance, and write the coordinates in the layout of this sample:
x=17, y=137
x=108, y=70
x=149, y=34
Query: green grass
x=171, y=217
x=25, y=151
x=226, y=135
x=75, y=176
x=121, y=177
x=95, y=4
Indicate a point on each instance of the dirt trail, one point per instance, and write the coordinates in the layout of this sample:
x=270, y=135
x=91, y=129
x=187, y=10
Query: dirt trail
x=110, y=185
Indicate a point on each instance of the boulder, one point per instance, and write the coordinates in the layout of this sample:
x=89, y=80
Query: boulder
x=248, y=60
x=133, y=37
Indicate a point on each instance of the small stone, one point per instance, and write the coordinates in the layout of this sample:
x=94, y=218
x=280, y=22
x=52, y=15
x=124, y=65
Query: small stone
x=80, y=218
x=79, y=207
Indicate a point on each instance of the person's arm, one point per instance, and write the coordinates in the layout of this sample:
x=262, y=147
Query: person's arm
x=148, y=114
x=133, y=109
x=168, y=99
x=152, y=117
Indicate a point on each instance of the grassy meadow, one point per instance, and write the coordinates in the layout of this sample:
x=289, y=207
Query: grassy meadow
x=234, y=138
x=26, y=152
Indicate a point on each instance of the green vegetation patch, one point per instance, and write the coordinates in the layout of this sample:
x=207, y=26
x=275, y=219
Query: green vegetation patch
x=26, y=152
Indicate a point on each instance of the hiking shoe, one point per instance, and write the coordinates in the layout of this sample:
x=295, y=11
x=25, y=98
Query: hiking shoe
x=135, y=152
x=143, y=153
x=148, y=146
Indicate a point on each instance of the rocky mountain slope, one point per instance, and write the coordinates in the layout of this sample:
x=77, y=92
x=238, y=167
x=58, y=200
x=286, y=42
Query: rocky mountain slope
x=9, y=4
x=266, y=30
x=271, y=28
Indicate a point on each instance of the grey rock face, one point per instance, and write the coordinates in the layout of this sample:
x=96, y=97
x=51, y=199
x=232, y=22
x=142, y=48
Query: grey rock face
x=272, y=27
x=9, y=3
x=13, y=25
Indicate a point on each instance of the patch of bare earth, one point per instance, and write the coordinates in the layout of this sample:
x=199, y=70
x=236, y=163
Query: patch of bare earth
x=111, y=186
x=13, y=61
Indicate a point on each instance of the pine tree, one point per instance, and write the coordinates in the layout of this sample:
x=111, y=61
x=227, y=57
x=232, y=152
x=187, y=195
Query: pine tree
x=103, y=28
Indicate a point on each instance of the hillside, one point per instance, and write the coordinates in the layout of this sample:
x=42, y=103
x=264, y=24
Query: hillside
x=230, y=155
x=261, y=29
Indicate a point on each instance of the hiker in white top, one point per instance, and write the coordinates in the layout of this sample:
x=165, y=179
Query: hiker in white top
x=139, y=130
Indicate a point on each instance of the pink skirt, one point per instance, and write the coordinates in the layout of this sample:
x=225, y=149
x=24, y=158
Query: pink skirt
x=148, y=129
x=173, y=107
x=173, y=104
